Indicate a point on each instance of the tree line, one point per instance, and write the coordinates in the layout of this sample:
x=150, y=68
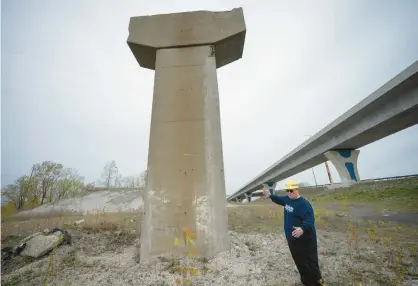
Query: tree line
x=49, y=182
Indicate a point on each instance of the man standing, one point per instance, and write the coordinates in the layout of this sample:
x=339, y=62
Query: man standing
x=299, y=228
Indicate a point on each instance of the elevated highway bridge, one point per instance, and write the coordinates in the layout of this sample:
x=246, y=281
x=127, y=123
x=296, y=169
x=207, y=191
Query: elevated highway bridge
x=390, y=109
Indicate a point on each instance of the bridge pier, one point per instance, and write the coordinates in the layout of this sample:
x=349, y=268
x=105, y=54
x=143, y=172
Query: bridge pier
x=186, y=183
x=345, y=161
x=270, y=186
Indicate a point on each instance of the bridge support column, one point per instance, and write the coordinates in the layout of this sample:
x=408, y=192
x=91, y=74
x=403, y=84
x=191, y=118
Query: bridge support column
x=345, y=161
x=270, y=186
x=186, y=183
x=249, y=196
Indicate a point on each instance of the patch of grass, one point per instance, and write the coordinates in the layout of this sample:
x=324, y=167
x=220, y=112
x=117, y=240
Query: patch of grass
x=396, y=197
x=11, y=240
x=100, y=227
x=251, y=219
x=270, y=265
x=251, y=246
x=386, y=249
x=120, y=238
x=69, y=260
x=8, y=210
x=93, y=223
x=26, y=276
x=172, y=266
x=203, y=260
x=14, y=281
x=8, y=266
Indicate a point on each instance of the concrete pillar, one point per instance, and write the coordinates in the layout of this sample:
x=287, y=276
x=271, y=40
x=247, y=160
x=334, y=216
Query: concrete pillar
x=345, y=161
x=270, y=186
x=186, y=185
x=249, y=196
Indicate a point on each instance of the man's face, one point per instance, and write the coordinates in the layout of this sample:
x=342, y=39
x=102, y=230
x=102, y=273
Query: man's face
x=292, y=194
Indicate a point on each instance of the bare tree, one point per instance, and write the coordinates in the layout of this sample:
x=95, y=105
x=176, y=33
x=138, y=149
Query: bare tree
x=109, y=173
x=20, y=191
x=136, y=181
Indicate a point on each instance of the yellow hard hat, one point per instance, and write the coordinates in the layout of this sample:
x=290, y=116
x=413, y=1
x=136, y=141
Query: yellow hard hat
x=291, y=185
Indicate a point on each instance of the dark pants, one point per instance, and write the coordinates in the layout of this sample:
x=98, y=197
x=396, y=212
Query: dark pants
x=305, y=255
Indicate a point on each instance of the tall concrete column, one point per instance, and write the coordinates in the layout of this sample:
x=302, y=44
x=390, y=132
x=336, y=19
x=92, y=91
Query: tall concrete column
x=186, y=185
x=345, y=161
x=270, y=186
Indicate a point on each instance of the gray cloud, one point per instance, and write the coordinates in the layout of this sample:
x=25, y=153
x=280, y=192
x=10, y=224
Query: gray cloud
x=72, y=91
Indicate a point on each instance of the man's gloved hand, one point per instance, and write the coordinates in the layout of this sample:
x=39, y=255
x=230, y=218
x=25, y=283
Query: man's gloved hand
x=297, y=232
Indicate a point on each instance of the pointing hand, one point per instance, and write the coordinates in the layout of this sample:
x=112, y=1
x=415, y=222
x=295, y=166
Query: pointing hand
x=297, y=232
x=266, y=193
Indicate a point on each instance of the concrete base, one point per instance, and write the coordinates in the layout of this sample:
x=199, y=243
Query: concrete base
x=186, y=185
x=345, y=161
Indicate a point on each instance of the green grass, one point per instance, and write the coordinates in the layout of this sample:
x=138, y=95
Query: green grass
x=391, y=197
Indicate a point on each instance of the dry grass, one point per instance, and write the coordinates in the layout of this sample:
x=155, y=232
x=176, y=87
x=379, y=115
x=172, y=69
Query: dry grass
x=98, y=232
x=92, y=222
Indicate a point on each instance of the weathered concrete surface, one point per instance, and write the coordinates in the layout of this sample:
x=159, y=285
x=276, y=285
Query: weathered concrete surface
x=346, y=164
x=224, y=30
x=186, y=185
x=41, y=244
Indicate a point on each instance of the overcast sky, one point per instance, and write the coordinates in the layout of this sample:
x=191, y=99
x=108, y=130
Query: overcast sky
x=72, y=92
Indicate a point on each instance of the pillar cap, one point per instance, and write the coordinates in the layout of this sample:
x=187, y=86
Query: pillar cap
x=225, y=30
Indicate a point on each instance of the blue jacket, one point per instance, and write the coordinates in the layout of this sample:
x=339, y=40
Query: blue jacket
x=297, y=213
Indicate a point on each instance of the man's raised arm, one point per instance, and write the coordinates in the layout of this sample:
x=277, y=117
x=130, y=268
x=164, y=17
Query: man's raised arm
x=280, y=200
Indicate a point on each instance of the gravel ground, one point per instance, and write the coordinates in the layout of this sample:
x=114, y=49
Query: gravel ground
x=253, y=259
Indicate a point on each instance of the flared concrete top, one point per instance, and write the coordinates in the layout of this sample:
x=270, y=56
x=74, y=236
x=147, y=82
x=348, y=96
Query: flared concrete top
x=225, y=30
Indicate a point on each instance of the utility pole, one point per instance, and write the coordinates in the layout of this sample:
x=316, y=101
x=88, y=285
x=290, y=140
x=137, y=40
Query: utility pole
x=316, y=184
x=329, y=173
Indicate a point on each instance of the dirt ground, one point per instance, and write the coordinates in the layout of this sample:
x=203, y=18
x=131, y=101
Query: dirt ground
x=362, y=241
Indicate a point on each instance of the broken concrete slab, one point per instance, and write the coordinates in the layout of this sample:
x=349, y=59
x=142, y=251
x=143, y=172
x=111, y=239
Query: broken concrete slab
x=40, y=245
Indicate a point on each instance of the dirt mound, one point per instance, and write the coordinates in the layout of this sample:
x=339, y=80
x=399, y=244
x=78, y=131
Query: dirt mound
x=101, y=201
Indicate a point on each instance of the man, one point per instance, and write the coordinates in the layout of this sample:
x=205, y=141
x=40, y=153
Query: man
x=299, y=228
